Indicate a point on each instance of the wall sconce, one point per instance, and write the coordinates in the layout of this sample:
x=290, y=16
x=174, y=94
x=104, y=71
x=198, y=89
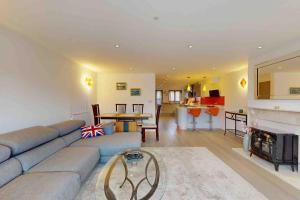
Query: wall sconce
x=243, y=83
x=88, y=81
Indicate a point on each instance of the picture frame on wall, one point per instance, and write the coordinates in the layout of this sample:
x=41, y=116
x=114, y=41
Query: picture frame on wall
x=135, y=91
x=121, y=86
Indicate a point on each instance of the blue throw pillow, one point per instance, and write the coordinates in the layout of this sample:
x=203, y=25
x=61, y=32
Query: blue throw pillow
x=108, y=130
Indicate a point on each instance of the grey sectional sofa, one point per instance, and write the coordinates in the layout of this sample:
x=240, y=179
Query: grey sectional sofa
x=51, y=163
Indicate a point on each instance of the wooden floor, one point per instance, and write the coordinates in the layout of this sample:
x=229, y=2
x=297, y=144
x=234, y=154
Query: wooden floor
x=272, y=187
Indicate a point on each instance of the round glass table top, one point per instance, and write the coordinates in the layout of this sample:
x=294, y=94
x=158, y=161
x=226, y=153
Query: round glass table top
x=132, y=175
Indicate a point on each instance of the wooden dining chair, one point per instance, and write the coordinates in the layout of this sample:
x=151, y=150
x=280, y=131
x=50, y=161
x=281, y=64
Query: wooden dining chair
x=96, y=112
x=121, y=108
x=152, y=126
x=138, y=109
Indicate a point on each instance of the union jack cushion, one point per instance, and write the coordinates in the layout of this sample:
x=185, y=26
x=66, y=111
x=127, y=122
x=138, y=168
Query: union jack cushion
x=92, y=131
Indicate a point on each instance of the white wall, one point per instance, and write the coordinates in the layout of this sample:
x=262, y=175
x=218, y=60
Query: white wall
x=235, y=96
x=108, y=96
x=37, y=86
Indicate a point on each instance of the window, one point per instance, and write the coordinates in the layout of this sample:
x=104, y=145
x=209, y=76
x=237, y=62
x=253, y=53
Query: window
x=174, y=96
x=159, y=97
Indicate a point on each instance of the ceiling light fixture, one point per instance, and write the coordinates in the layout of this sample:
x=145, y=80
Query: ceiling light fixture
x=156, y=18
x=190, y=46
x=260, y=47
x=117, y=46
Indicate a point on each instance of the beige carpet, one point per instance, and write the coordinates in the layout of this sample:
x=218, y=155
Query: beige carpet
x=193, y=173
x=285, y=173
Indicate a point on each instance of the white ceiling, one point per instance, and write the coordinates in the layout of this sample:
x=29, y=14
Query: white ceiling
x=224, y=33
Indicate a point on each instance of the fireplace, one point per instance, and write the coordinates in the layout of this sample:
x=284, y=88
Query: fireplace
x=275, y=146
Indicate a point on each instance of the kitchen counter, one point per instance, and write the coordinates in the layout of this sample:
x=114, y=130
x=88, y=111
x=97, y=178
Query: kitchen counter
x=185, y=120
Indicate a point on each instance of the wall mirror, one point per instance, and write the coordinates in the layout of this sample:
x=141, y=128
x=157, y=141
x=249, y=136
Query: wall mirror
x=279, y=79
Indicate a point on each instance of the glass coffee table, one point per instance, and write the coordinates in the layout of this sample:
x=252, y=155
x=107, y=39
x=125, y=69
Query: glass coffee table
x=132, y=175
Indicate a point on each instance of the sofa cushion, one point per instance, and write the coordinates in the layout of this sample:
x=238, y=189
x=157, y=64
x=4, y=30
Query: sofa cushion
x=45, y=186
x=4, y=153
x=109, y=128
x=81, y=160
x=9, y=170
x=25, y=139
x=126, y=126
x=92, y=131
x=68, y=126
x=34, y=156
x=72, y=137
x=111, y=144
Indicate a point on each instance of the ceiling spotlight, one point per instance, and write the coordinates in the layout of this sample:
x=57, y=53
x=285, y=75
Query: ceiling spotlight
x=117, y=46
x=260, y=47
x=190, y=46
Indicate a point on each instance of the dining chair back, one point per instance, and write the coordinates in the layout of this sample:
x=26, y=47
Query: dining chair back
x=121, y=108
x=152, y=126
x=138, y=108
x=96, y=112
x=158, y=114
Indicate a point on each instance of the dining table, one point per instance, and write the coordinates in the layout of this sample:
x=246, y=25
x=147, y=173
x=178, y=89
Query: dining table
x=125, y=116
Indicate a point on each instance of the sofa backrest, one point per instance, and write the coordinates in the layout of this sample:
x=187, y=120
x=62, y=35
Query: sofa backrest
x=67, y=127
x=72, y=137
x=26, y=139
x=34, y=156
x=4, y=153
x=9, y=170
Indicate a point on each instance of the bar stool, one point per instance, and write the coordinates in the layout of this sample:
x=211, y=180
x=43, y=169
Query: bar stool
x=212, y=112
x=195, y=112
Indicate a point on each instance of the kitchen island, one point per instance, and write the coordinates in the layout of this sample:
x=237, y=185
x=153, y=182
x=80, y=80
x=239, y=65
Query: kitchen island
x=185, y=119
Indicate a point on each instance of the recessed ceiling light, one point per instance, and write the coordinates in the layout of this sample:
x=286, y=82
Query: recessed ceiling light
x=260, y=47
x=117, y=46
x=173, y=68
x=190, y=46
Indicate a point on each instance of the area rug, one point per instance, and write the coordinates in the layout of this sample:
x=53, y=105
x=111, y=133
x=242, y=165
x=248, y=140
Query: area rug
x=193, y=173
x=285, y=173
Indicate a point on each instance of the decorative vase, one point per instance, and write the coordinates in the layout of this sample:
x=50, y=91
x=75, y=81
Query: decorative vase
x=246, y=142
